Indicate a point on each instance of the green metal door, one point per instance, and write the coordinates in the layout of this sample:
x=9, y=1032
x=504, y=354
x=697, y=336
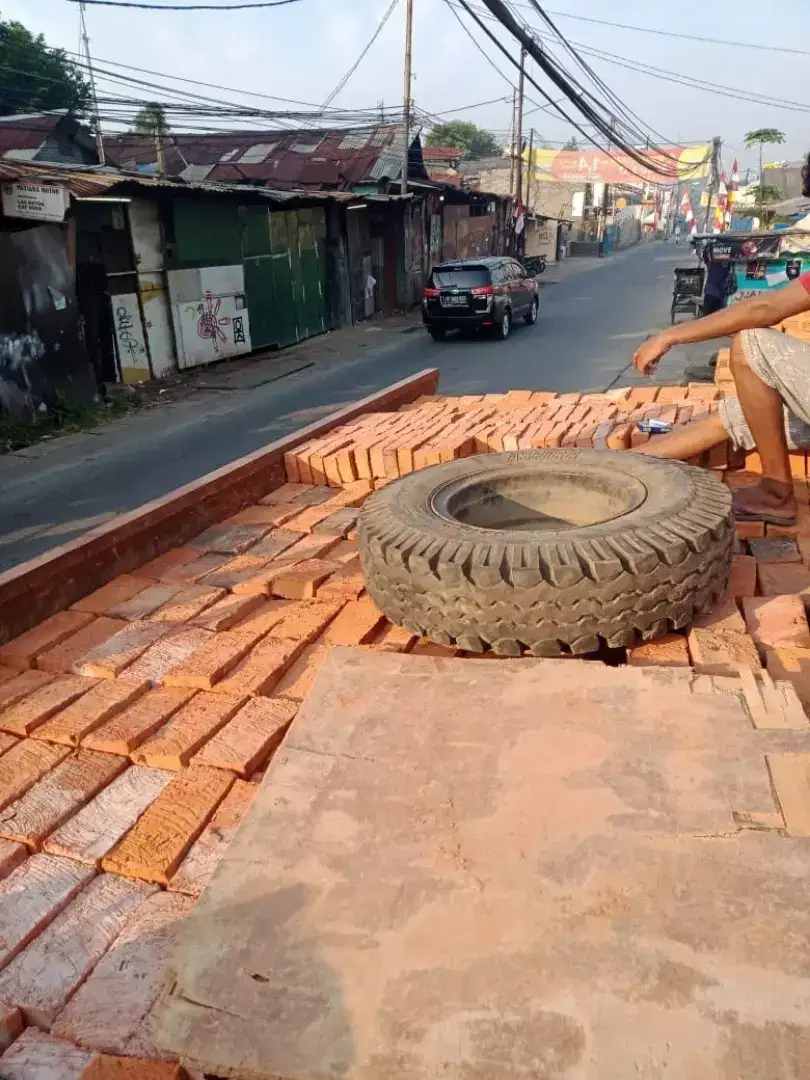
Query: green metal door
x=312, y=271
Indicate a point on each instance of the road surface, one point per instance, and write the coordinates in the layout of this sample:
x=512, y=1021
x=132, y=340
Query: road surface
x=589, y=325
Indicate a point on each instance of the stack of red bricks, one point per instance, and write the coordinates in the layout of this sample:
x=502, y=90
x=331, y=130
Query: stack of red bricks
x=762, y=622
x=383, y=447
x=133, y=730
x=134, y=726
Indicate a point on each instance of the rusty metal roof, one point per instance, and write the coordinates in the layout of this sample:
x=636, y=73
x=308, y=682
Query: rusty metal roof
x=317, y=160
x=25, y=133
x=95, y=181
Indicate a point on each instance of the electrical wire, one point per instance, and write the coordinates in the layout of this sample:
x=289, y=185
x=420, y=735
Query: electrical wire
x=362, y=55
x=644, y=159
x=186, y=7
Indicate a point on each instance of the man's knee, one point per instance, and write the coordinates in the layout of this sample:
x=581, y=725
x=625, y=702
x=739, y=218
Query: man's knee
x=737, y=358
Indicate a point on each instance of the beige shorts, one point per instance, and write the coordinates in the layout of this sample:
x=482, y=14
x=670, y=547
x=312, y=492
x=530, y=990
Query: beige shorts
x=783, y=363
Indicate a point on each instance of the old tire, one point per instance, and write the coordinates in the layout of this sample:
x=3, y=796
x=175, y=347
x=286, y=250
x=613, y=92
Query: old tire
x=625, y=549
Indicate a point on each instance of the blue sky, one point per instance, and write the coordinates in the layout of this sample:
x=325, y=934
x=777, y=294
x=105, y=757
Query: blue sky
x=301, y=51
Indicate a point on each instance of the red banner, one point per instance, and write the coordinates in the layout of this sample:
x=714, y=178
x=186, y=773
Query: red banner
x=594, y=166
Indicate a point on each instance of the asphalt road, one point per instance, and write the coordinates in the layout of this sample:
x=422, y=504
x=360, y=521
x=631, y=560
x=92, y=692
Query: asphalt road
x=590, y=323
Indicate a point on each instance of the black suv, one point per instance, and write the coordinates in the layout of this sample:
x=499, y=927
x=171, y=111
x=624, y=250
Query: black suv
x=472, y=294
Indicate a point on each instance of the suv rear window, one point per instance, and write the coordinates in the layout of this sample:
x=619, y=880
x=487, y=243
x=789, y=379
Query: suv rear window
x=467, y=277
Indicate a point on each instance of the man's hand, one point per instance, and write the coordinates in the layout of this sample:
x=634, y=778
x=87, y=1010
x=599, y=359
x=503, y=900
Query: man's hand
x=648, y=355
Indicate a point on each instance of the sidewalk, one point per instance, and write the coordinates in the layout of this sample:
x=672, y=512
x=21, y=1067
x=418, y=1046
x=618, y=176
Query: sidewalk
x=258, y=369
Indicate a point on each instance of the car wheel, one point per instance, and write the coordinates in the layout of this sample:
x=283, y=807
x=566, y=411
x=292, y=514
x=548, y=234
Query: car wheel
x=548, y=550
x=504, y=327
x=531, y=318
x=437, y=333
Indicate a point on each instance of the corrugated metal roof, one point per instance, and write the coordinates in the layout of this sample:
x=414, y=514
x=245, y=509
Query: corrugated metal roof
x=332, y=159
x=90, y=182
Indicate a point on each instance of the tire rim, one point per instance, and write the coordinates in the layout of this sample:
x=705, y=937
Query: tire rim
x=533, y=316
x=505, y=325
x=537, y=500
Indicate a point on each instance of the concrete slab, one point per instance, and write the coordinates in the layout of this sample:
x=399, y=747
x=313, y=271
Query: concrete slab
x=529, y=869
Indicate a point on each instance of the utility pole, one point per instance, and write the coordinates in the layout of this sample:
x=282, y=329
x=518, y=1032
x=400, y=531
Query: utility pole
x=86, y=43
x=530, y=169
x=512, y=146
x=406, y=97
x=519, y=127
x=161, y=160
x=714, y=179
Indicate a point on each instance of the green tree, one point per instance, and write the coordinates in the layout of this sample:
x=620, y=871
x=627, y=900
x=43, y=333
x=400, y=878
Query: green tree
x=151, y=120
x=761, y=137
x=35, y=77
x=474, y=141
x=572, y=144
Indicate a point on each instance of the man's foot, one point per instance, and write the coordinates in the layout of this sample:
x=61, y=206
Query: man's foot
x=770, y=501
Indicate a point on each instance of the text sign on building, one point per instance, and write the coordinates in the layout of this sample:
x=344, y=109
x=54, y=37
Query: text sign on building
x=40, y=202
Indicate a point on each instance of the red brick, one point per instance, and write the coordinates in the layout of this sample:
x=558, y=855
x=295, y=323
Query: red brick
x=117, y=591
x=21, y=684
x=247, y=741
x=227, y=612
x=187, y=604
x=32, y=896
x=194, y=570
x=301, y=581
x=108, y=1009
x=12, y=855
x=779, y=579
x=395, y=638
x=93, y=831
x=792, y=665
x=111, y=657
x=424, y=647
x=261, y=669
x=775, y=549
x=212, y=661
x=128, y=729
x=167, y=561
x=272, y=516
x=105, y=700
x=22, y=718
x=305, y=520
x=144, y=603
x=725, y=615
x=743, y=580
x=154, y=848
x=199, y=865
x=298, y=681
x=7, y=673
x=238, y=571
x=167, y=653
x=23, y=765
x=128, y=1068
x=52, y=967
x=356, y=624
x=228, y=539
x=11, y=1026
x=721, y=652
x=264, y=617
x=667, y=651
x=747, y=530
x=63, y=657
x=777, y=622
x=341, y=523
x=57, y=796
x=190, y=727
x=347, y=583
x=22, y=651
x=287, y=493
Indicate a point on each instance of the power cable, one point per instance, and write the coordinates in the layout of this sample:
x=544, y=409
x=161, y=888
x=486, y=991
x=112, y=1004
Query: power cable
x=186, y=7
x=563, y=83
x=362, y=55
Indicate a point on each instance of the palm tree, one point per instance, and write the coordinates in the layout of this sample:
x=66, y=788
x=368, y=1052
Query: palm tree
x=759, y=137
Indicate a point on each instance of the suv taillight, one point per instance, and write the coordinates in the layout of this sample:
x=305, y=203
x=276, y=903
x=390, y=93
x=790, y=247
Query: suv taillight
x=430, y=294
x=482, y=290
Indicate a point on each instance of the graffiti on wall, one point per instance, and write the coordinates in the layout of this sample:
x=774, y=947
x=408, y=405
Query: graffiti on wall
x=213, y=328
x=129, y=338
x=210, y=324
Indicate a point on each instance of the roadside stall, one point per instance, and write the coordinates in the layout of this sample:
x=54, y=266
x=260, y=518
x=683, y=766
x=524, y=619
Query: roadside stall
x=755, y=262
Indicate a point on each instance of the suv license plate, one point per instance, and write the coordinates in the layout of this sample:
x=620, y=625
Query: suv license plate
x=454, y=301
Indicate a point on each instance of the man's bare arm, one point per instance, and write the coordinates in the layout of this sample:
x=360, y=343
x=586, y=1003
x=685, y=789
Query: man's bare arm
x=746, y=315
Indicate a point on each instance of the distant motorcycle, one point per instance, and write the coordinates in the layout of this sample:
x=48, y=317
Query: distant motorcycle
x=535, y=264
